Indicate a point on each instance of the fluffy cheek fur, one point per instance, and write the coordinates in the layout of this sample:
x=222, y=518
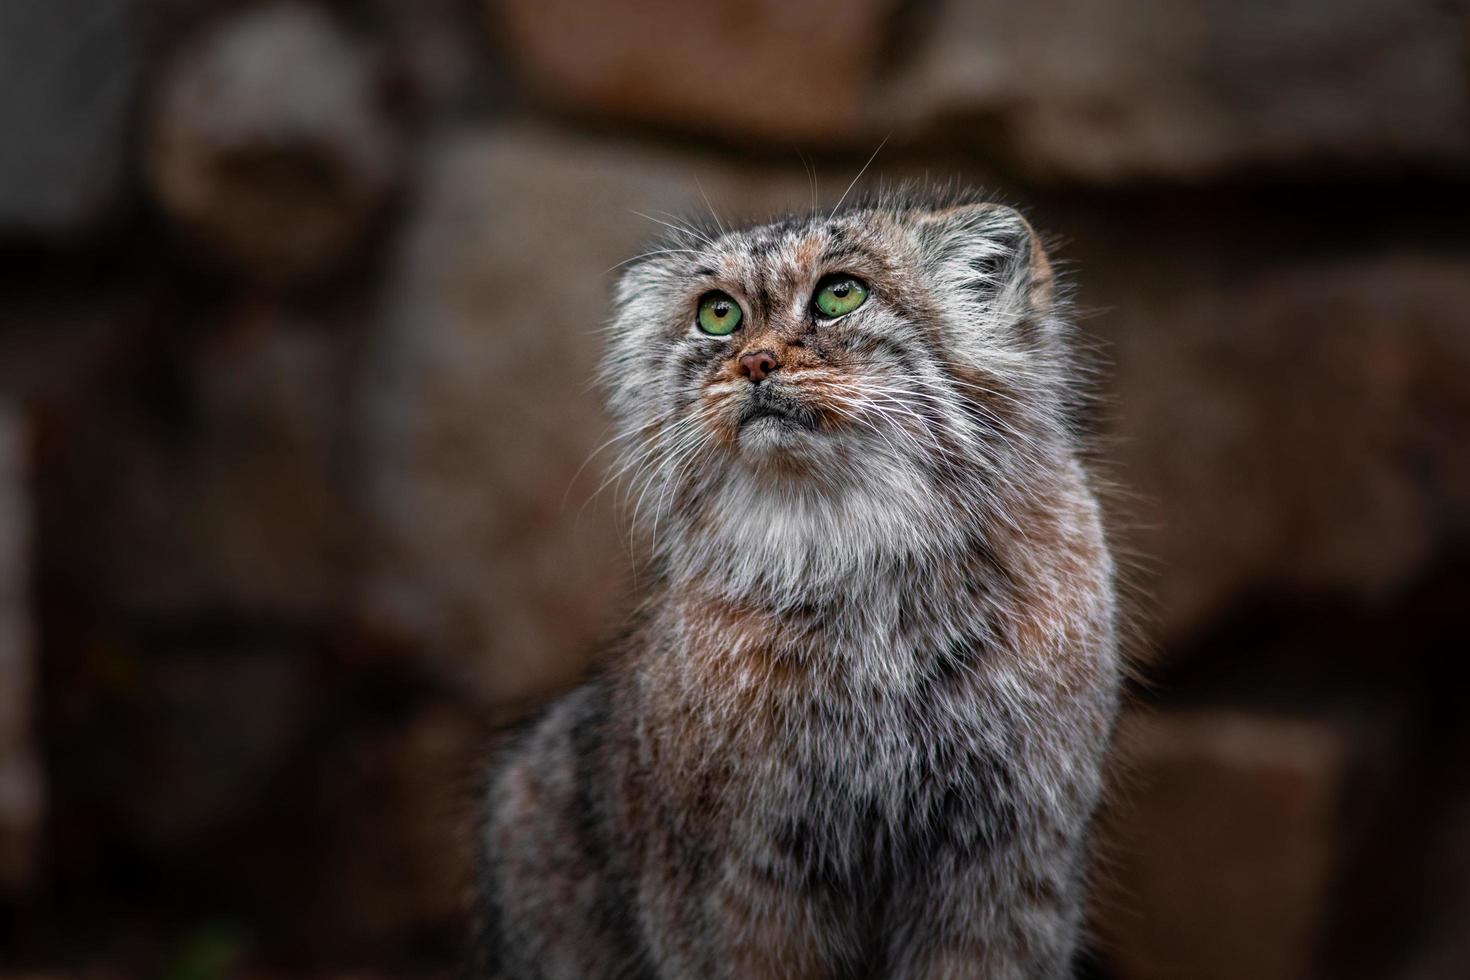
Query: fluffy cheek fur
x=899, y=422
x=869, y=407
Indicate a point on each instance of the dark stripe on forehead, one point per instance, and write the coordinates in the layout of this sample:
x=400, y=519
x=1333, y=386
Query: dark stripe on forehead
x=761, y=295
x=784, y=226
x=839, y=246
x=761, y=248
x=789, y=277
x=837, y=254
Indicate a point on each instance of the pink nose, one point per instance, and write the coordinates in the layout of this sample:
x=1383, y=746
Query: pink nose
x=757, y=365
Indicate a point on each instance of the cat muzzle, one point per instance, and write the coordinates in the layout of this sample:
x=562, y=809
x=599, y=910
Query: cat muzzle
x=765, y=402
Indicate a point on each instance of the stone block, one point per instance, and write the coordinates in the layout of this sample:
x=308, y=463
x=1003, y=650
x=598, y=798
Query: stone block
x=1218, y=853
x=21, y=796
x=269, y=141
x=68, y=75
x=489, y=550
x=1065, y=90
x=219, y=482
x=1296, y=428
x=731, y=69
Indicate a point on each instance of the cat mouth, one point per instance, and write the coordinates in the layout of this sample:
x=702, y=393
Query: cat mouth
x=764, y=404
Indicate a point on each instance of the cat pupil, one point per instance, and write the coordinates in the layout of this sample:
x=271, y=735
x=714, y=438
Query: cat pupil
x=841, y=289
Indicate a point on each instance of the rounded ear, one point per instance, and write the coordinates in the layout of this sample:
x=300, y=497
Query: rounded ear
x=990, y=251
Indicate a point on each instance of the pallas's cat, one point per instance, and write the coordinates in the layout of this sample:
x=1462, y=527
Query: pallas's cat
x=857, y=726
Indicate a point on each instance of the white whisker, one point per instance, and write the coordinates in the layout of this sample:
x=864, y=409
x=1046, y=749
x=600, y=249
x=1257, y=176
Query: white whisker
x=859, y=177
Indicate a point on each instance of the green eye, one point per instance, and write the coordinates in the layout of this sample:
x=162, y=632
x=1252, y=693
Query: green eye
x=839, y=295
x=718, y=314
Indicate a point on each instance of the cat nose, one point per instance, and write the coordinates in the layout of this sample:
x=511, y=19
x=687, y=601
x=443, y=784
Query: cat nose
x=758, y=364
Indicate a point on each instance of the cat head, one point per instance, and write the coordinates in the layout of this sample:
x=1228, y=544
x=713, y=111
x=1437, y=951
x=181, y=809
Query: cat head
x=798, y=393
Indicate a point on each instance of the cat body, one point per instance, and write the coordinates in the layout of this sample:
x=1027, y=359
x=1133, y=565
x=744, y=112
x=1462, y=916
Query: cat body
x=857, y=727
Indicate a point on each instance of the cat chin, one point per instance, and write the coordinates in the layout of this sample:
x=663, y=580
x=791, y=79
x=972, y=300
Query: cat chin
x=775, y=442
x=758, y=534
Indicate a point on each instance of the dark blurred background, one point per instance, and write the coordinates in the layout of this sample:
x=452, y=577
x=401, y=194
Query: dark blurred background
x=298, y=306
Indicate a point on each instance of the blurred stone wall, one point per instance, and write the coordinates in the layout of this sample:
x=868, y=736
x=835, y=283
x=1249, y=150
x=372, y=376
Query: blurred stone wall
x=299, y=303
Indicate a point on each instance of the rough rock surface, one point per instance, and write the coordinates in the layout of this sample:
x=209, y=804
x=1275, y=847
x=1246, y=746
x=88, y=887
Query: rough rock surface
x=406, y=793
x=227, y=481
x=1077, y=90
x=72, y=60
x=20, y=777
x=1099, y=91
x=1218, y=854
x=1300, y=428
x=1332, y=468
x=269, y=141
x=479, y=413
x=730, y=69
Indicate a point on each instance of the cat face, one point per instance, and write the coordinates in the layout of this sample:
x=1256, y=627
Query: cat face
x=849, y=365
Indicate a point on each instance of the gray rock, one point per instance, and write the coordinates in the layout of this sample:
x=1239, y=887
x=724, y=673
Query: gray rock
x=1103, y=91
x=1293, y=426
x=1218, y=855
x=194, y=746
x=1075, y=90
x=1299, y=429
x=269, y=141
x=236, y=500
x=68, y=71
x=21, y=797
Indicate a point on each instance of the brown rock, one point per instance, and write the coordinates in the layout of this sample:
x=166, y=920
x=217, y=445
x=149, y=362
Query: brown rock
x=1101, y=91
x=20, y=777
x=730, y=69
x=196, y=739
x=269, y=141
x=1446, y=904
x=218, y=484
x=402, y=808
x=479, y=412
x=1219, y=851
x=1069, y=89
x=1299, y=429
x=1283, y=425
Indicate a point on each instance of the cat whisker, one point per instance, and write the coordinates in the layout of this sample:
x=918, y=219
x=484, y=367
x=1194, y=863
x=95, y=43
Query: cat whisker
x=682, y=230
x=712, y=212
x=811, y=170
x=859, y=177
x=649, y=254
x=611, y=441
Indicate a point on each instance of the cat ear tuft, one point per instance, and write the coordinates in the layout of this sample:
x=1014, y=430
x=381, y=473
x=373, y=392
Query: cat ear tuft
x=991, y=252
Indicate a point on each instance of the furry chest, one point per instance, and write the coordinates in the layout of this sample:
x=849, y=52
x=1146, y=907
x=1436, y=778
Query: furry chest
x=833, y=773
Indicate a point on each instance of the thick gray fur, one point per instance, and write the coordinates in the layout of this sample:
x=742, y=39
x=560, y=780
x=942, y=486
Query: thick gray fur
x=858, y=725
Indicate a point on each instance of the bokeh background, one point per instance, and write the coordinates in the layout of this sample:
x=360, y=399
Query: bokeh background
x=298, y=306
